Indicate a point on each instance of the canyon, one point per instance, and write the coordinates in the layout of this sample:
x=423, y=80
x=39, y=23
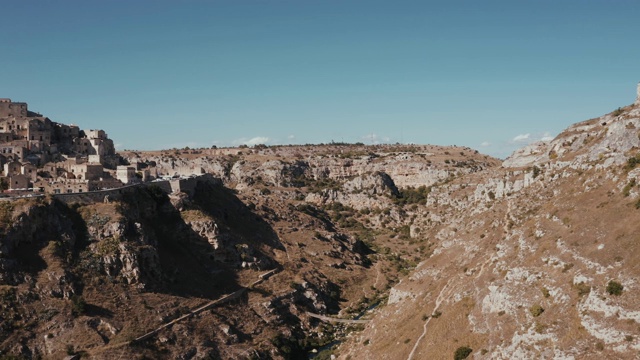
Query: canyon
x=434, y=250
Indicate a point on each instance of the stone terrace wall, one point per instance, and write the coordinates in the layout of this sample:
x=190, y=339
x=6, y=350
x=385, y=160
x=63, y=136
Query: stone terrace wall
x=110, y=194
x=169, y=186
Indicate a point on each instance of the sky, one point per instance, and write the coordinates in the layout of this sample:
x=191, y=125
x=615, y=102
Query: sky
x=490, y=75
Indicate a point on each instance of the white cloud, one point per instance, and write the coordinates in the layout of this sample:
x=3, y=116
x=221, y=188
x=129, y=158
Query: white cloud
x=250, y=142
x=375, y=139
x=485, y=144
x=258, y=140
x=531, y=138
x=546, y=137
x=521, y=138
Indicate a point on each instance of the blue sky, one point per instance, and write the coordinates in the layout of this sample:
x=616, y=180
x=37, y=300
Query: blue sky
x=491, y=75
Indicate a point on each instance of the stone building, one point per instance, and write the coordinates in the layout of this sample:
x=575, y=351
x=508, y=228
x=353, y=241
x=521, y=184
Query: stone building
x=30, y=171
x=12, y=168
x=27, y=134
x=126, y=174
x=18, y=181
x=87, y=171
x=36, y=152
x=68, y=186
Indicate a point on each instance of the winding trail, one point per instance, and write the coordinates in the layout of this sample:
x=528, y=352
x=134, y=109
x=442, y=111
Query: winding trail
x=337, y=320
x=226, y=298
x=441, y=295
x=439, y=300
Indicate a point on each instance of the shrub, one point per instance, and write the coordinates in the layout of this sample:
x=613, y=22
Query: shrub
x=411, y=195
x=614, y=288
x=462, y=352
x=545, y=292
x=583, y=289
x=70, y=350
x=536, y=310
x=632, y=162
x=79, y=306
x=536, y=171
x=627, y=188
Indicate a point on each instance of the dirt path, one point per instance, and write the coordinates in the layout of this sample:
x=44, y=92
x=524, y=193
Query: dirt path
x=336, y=320
x=439, y=299
x=226, y=298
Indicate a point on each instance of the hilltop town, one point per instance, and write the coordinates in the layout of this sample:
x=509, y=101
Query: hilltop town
x=39, y=155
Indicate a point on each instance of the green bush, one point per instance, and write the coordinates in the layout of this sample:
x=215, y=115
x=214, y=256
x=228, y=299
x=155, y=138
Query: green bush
x=633, y=161
x=536, y=171
x=545, y=292
x=614, y=288
x=536, y=310
x=583, y=289
x=411, y=195
x=627, y=188
x=462, y=352
x=79, y=306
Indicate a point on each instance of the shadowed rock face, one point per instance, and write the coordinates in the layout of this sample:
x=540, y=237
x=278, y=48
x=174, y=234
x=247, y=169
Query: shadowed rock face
x=124, y=267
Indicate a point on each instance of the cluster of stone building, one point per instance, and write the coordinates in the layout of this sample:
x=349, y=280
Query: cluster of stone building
x=40, y=155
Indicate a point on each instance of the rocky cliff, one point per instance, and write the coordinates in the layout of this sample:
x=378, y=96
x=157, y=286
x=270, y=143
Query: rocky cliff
x=535, y=260
x=444, y=251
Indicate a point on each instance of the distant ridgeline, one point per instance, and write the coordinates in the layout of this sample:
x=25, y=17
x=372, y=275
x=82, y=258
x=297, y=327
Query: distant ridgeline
x=36, y=152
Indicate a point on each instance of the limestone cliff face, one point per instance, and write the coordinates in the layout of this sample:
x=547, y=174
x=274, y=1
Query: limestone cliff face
x=369, y=191
x=602, y=142
x=284, y=166
x=525, y=257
